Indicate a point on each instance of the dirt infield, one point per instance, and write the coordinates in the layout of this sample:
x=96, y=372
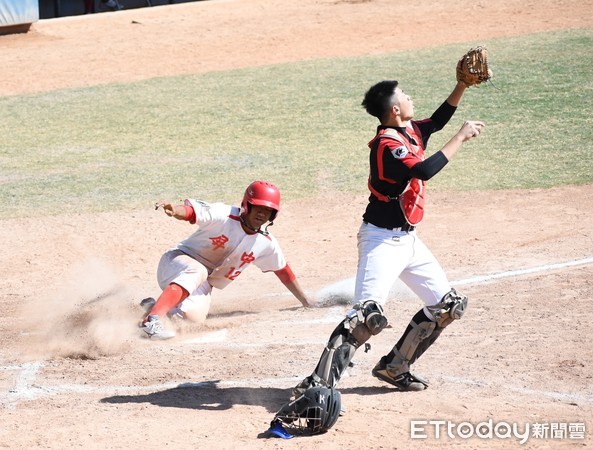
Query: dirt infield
x=74, y=371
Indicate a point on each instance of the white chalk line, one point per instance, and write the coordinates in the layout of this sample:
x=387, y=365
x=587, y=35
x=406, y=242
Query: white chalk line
x=220, y=336
x=215, y=338
x=520, y=272
x=24, y=389
x=346, y=287
x=562, y=396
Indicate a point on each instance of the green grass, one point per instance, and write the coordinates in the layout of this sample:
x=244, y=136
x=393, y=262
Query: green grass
x=298, y=125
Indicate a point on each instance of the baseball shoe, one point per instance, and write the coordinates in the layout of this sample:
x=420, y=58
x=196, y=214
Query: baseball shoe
x=153, y=327
x=147, y=304
x=404, y=382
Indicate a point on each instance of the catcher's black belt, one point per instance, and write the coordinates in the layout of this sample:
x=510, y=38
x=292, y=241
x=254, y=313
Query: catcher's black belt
x=406, y=227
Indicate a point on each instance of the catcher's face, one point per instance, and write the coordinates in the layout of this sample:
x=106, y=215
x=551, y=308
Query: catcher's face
x=258, y=216
x=406, y=105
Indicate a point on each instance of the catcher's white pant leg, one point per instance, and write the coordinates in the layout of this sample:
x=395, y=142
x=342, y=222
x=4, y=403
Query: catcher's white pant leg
x=382, y=256
x=425, y=276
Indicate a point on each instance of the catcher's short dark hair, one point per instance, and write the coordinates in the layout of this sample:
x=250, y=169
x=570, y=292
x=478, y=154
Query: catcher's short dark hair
x=377, y=99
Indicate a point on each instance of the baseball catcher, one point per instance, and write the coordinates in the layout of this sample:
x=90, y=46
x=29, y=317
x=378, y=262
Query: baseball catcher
x=389, y=247
x=472, y=68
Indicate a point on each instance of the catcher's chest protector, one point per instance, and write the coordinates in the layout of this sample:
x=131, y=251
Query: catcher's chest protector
x=411, y=200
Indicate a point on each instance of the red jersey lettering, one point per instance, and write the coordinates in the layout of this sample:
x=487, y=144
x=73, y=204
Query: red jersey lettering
x=246, y=258
x=219, y=241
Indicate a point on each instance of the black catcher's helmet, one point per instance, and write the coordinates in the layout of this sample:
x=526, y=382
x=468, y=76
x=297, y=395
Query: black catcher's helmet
x=314, y=412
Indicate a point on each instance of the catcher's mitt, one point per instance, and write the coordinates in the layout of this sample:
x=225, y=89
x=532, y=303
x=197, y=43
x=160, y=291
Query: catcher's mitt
x=472, y=68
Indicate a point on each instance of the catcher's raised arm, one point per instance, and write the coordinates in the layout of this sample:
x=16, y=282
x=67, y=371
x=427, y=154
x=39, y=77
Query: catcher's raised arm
x=472, y=68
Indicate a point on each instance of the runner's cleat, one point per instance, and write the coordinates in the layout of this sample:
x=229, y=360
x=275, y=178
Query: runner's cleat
x=153, y=327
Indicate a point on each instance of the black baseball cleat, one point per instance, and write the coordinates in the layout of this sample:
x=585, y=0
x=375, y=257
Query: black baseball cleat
x=147, y=304
x=404, y=382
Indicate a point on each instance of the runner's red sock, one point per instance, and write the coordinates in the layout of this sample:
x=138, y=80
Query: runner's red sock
x=172, y=296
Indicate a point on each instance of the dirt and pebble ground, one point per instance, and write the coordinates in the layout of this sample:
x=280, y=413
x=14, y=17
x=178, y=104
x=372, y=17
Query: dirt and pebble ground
x=74, y=371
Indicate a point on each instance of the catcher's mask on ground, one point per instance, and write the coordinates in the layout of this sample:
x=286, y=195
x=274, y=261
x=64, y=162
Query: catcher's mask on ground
x=314, y=412
x=261, y=193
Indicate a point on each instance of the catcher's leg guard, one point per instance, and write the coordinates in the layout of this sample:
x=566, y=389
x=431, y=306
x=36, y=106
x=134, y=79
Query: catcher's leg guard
x=451, y=307
x=415, y=340
x=365, y=320
x=422, y=332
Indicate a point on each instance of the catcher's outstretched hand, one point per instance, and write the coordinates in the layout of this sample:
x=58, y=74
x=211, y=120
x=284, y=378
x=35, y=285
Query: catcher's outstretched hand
x=473, y=67
x=471, y=129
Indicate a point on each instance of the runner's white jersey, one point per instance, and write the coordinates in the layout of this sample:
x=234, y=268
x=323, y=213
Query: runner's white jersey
x=221, y=244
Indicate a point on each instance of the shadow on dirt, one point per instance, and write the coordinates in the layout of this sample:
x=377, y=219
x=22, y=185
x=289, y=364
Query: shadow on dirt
x=369, y=390
x=226, y=315
x=209, y=396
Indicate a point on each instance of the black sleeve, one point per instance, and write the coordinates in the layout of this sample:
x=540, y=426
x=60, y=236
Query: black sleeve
x=436, y=122
x=442, y=115
x=428, y=168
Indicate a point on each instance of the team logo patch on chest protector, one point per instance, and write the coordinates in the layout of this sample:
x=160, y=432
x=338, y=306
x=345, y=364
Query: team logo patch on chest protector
x=399, y=152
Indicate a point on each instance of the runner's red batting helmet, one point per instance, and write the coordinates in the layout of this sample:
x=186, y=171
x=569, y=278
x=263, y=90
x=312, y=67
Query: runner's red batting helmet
x=262, y=193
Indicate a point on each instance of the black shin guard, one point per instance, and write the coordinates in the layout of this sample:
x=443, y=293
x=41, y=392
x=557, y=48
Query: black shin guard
x=420, y=334
x=364, y=321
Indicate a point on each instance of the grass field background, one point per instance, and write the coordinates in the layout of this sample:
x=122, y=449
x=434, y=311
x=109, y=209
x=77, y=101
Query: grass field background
x=298, y=125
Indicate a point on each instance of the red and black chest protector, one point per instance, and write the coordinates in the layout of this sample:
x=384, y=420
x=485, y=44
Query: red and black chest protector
x=411, y=198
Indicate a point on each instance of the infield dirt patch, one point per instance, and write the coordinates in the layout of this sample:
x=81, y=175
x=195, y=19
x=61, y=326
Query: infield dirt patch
x=75, y=372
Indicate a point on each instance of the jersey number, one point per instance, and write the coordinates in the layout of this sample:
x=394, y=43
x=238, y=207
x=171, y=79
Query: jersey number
x=232, y=273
